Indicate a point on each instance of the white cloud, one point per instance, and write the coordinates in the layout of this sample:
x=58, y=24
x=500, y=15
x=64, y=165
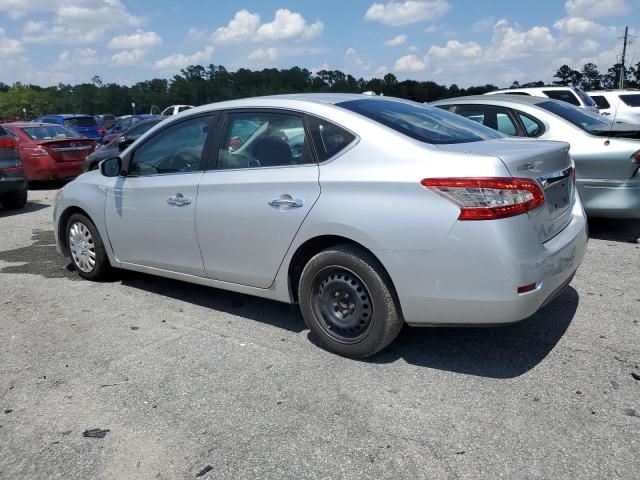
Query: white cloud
x=196, y=34
x=179, y=60
x=404, y=13
x=381, y=71
x=128, y=57
x=509, y=42
x=582, y=26
x=286, y=25
x=9, y=46
x=354, y=64
x=78, y=56
x=396, y=41
x=455, y=51
x=70, y=21
x=264, y=55
x=412, y=49
x=484, y=24
x=410, y=63
x=138, y=40
x=596, y=8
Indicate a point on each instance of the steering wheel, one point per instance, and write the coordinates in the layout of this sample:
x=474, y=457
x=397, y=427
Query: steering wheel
x=183, y=161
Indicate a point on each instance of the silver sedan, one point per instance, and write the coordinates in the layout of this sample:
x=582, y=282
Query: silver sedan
x=607, y=155
x=368, y=212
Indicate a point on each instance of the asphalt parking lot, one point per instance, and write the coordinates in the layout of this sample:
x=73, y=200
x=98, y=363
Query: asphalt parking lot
x=196, y=381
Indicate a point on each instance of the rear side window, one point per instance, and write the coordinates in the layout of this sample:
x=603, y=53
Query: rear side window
x=631, y=100
x=533, y=127
x=328, y=138
x=3, y=133
x=497, y=118
x=420, y=122
x=263, y=139
x=518, y=93
x=601, y=102
x=80, y=122
x=564, y=95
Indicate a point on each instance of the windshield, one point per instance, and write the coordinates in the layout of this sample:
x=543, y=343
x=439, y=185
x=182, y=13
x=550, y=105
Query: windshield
x=138, y=130
x=420, y=122
x=50, y=132
x=584, y=119
x=80, y=122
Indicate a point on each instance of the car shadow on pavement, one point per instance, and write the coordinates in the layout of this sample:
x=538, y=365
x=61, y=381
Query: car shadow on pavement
x=617, y=230
x=273, y=313
x=495, y=352
x=28, y=208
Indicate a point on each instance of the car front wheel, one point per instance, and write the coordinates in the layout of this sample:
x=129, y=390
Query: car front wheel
x=348, y=302
x=87, y=250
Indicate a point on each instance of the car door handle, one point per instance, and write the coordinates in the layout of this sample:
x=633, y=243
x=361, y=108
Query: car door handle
x=179, y=200
x=286, y=202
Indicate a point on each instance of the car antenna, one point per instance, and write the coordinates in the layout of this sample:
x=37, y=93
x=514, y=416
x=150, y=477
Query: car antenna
x=613, y=122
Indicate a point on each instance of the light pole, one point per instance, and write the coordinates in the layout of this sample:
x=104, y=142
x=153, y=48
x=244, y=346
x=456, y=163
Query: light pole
x=133, y=105
x=24, y=113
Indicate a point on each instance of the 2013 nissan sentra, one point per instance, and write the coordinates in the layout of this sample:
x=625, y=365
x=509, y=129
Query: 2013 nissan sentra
x=368, y=212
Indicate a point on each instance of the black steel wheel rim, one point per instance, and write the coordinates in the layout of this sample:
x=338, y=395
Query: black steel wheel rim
x=341, y=304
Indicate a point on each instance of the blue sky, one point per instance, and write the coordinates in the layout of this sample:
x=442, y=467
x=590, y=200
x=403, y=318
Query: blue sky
x=466, y=42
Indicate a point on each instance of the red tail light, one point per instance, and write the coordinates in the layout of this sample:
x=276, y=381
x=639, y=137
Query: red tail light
x=36, y=151
x=635, y=158
x=488, y=198
x=101, y=130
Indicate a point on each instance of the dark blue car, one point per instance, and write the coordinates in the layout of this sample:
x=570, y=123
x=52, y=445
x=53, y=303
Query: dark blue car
x=85, y=125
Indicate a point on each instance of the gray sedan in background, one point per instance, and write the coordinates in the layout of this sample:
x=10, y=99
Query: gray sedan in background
x=607, y=155
x=367, y=211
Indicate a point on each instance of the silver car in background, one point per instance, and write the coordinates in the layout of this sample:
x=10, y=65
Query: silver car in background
x=367, y=211
x=606, y=154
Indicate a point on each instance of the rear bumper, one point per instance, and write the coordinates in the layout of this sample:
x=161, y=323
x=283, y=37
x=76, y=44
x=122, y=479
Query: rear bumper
x=12, y=184
x=45, y=168
x=611, y=199
x=472, y=279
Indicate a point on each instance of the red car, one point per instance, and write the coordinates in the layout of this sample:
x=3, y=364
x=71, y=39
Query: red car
x=49, y=151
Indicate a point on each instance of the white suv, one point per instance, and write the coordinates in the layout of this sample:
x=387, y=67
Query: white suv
x=623, y=104
x=573, y=95
x=175, y=109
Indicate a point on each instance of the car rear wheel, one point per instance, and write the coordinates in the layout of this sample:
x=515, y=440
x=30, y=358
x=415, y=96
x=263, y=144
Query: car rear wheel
x=87, y=250
x=15, y=200
x=348, y=302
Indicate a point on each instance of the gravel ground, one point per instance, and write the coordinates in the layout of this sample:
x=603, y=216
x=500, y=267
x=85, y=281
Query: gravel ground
x=188, y=378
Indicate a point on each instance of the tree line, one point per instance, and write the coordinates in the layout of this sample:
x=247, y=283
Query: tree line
x=197, y=85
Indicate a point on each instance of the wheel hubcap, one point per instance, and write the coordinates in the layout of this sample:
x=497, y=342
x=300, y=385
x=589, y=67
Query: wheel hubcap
x=342, y=304
x=83, y=249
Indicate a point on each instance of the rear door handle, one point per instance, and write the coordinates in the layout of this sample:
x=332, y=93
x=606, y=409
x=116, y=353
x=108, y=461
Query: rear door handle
x=286, y=202
x=179, y=200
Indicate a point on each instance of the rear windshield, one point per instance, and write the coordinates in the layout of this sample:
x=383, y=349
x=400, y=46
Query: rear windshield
x=50, y=132
x=580, y=117
x=420, y=122
x=631, y=100
x=80, y=122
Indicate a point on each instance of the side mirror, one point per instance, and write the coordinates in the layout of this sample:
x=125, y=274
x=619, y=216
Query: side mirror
x=123, y=143
x=111, y=167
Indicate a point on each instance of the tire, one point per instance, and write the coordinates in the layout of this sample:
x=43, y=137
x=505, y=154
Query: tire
x=90, y=258
x=15, y=200
x=348, y=302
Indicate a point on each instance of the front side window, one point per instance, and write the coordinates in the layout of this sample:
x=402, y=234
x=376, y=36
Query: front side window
x=178, y=148
x=631, y=100
x=263, y=139
x=328, y=138
x=421, y=122
x=601, y=102
x=50, y=132
x=564, y=95
x=497, y=118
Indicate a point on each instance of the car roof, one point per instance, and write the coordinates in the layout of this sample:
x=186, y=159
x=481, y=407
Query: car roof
x=66, y=115
x=614, y=90
x=29, y=124
x=534, y=89
x=501, y=97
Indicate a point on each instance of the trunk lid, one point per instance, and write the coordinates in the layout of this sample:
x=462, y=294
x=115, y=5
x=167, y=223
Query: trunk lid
x=69, y=150
x=548, y=163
